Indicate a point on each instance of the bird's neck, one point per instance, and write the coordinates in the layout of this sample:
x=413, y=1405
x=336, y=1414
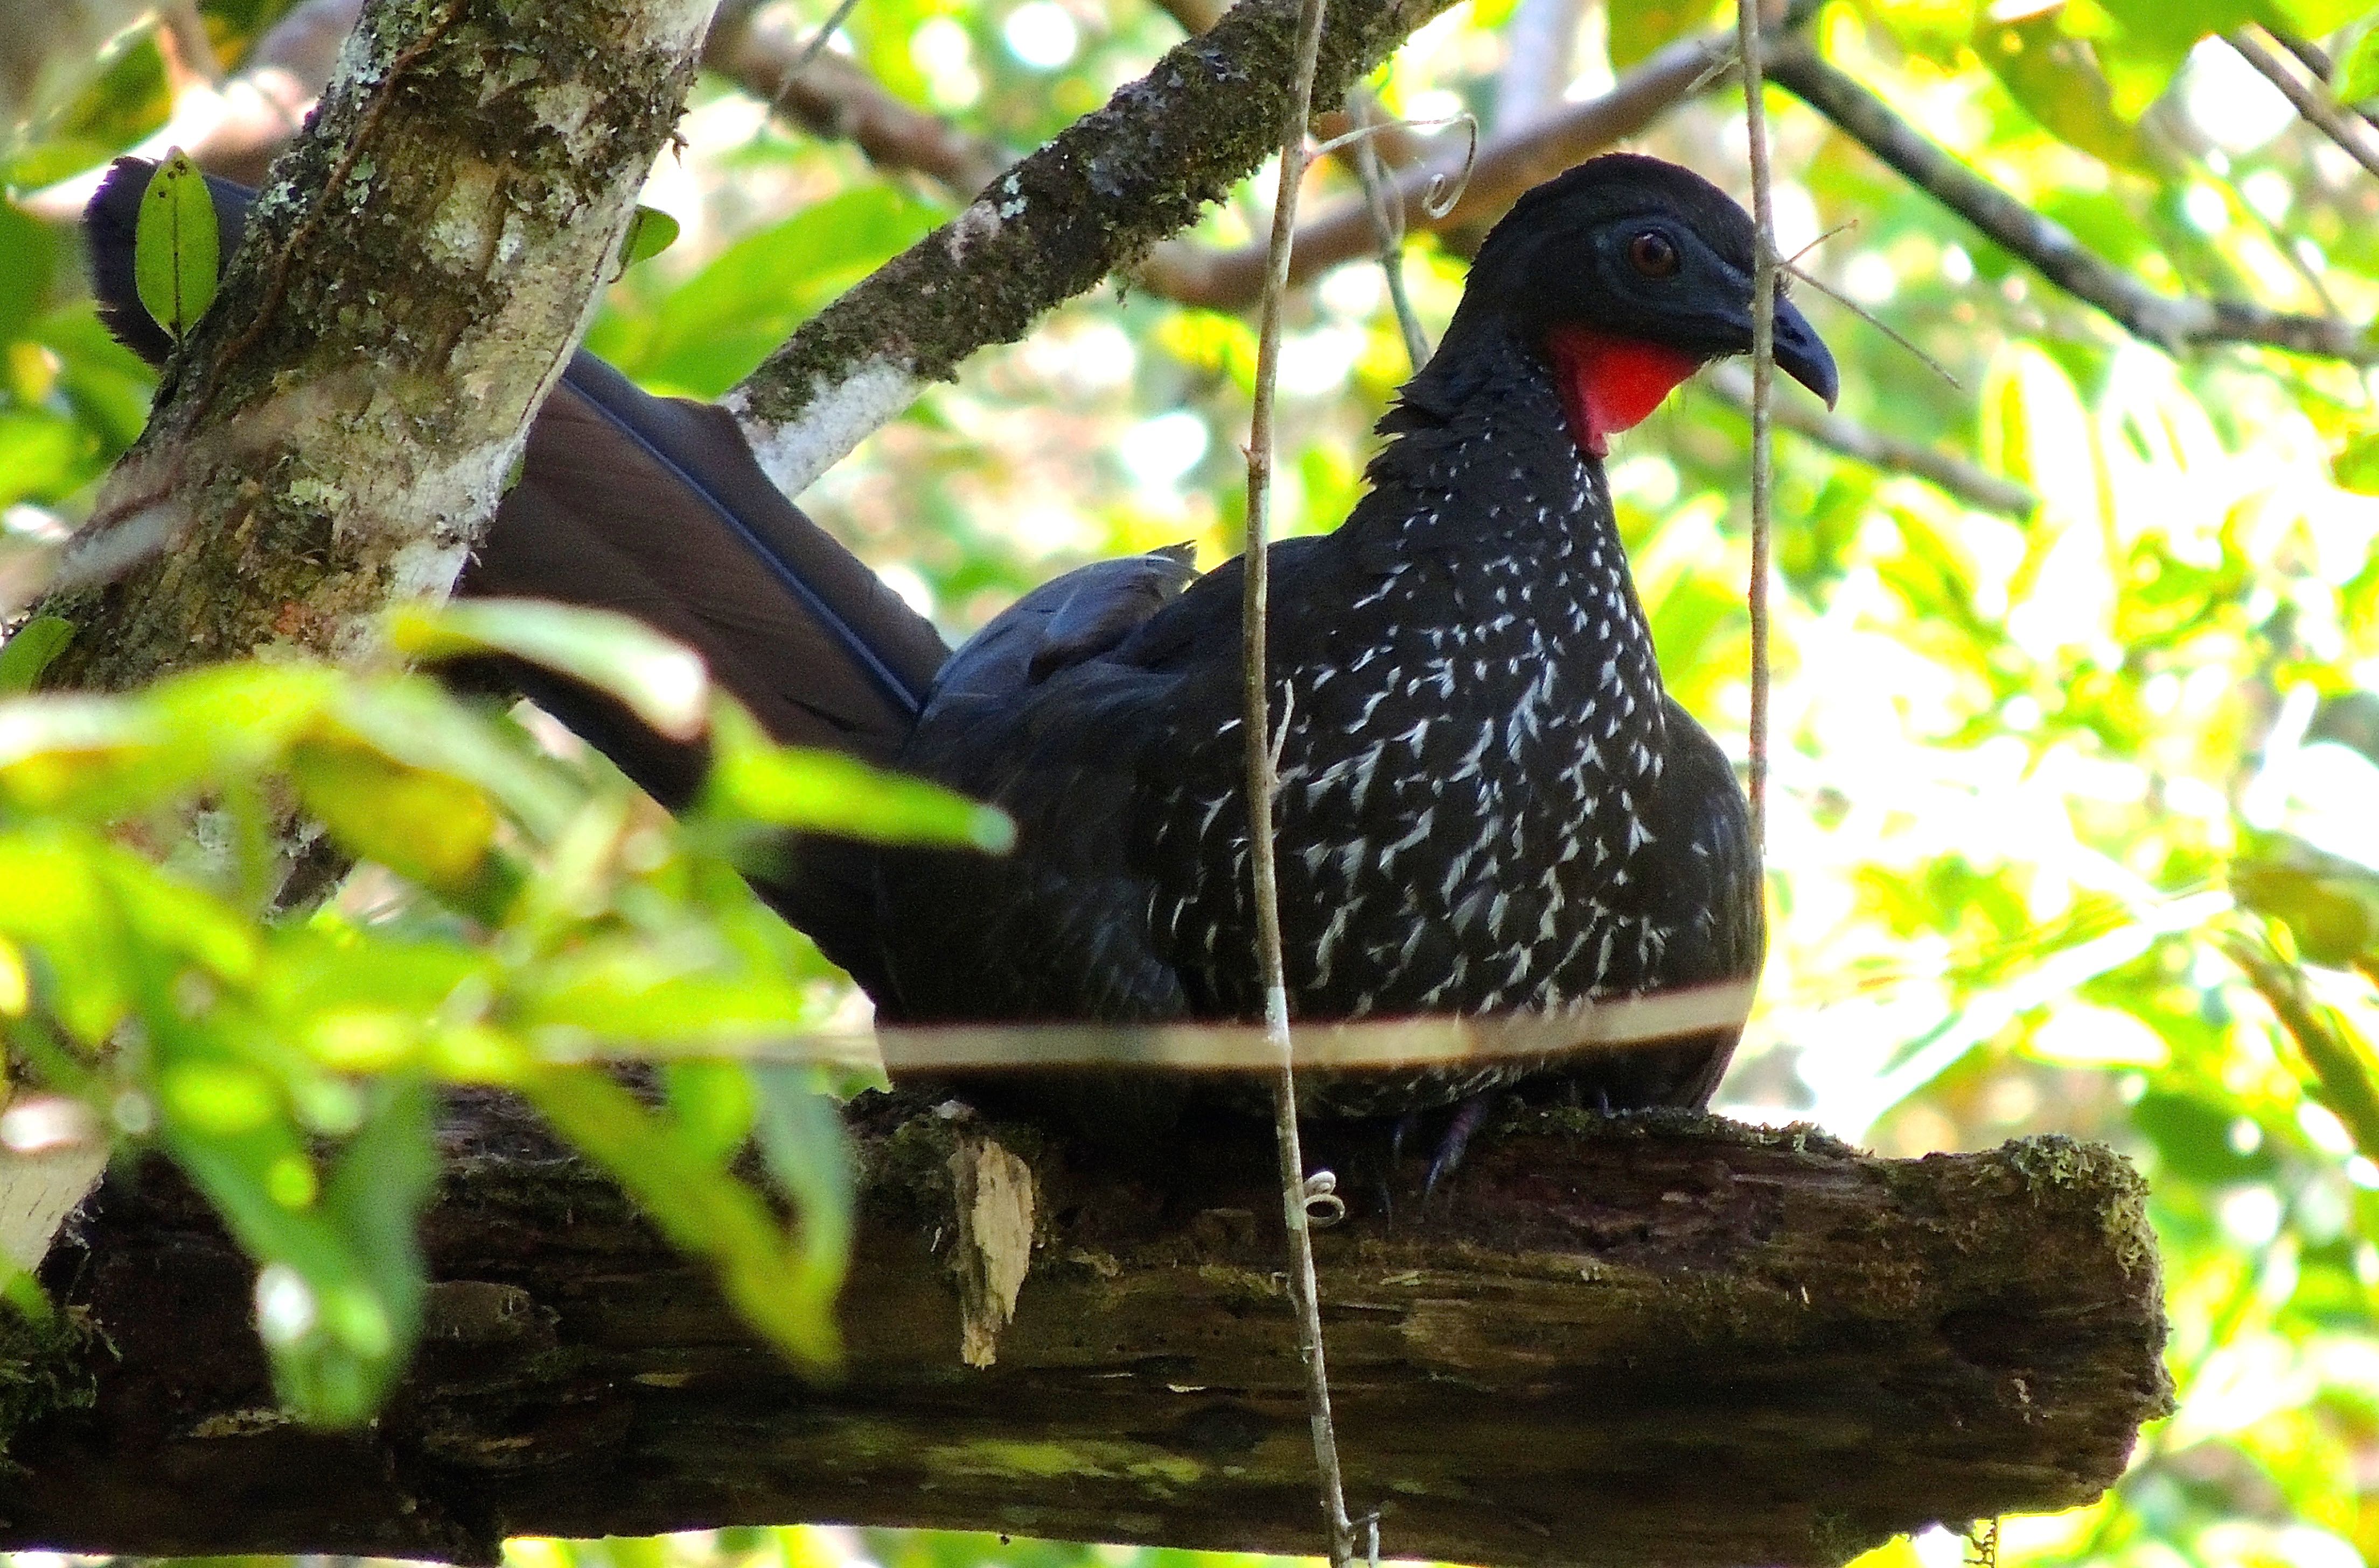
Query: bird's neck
x=1483, y=468
x=1485, y=491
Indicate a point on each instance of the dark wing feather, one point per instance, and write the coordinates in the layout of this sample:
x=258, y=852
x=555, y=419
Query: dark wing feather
x=1711, y=900
x=656, y=507
x=1037, y=715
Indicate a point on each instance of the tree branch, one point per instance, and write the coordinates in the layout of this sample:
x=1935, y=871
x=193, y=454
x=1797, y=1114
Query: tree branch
x=337, y=430
x=2174, y=324
x=2316, y=60
x=311, y=460
x=1233, y=280
x=1976, y=486
x=759, y=50
x=1094, y=200
x=2315, y=111
x=1682, y=1341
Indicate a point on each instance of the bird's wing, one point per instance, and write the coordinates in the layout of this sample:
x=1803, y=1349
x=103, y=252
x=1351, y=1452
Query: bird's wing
x=656, y=507
x=1710, y=903
x=1039, y=715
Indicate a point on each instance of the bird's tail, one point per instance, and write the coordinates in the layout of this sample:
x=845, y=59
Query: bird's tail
x=656, y=507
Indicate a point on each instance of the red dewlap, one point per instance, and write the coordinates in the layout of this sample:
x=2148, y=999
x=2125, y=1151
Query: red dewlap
x=1610, y=384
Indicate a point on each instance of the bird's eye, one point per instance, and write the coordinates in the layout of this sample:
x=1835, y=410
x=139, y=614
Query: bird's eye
x=1653, y=254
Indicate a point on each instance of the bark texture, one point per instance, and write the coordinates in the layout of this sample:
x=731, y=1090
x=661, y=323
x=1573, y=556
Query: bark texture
x=339, y=428
x=1682, y=1341
x=1094, y=200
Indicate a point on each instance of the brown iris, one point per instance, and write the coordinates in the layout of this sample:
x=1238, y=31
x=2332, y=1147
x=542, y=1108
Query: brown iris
x=1653, y=254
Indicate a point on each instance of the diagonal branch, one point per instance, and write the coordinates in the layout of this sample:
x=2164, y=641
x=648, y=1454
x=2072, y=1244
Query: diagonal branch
x=759, y=49
x=2351, y=136
x=1094, y=200
x=1232, y=280
x=2175, y=324
x=2316, y=60
x=1976, y=486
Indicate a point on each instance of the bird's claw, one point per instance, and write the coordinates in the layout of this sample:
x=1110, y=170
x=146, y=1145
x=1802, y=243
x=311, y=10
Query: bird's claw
x=1467, y=1119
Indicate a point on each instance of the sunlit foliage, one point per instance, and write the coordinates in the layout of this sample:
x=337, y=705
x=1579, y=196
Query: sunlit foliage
x=2076, y=814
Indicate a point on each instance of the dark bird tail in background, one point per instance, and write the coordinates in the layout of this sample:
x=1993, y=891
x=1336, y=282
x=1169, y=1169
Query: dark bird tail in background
x=655, y=507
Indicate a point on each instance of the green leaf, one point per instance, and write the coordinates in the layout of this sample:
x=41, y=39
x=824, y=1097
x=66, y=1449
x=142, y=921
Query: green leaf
x=40, y=455
x=650, y=232
x=2356, y=466
x=175, y=249
x=413, y=722
x=714, y=1102
x=635, y=989
x=710, y=330
x=701, y=1207
x=428, y=827
x=1640, y=27
x=2148, y=40
x=661, y=681
x=2057, y=79
x=339, y=1299
x=377, y=1188
x=27, y=256
x=808, y=1153
x=2358, y=74
x=99, y=758
x=29, y=651
x=2329, y=904
x=819, y=790
x=2313, y=18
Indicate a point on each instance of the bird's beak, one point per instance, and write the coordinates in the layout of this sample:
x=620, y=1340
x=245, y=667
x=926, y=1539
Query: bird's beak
x=1804, y=355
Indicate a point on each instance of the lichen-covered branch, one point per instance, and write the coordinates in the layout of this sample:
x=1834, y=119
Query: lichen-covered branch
x=2173, y=323
x=1232, y=280
x=1094, y=200
x=339, y=428
x=1683, y=1342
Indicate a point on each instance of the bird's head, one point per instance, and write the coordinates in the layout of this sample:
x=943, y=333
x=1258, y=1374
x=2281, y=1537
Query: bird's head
x=1629, y=274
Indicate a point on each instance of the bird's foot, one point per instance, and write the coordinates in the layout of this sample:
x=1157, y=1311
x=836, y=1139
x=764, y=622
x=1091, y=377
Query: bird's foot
x=1469, y=1117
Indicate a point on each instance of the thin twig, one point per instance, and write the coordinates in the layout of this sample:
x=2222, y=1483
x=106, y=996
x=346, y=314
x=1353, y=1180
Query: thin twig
x=1388, y=223
x=1304, y=1290
x=1872, y=320
x=1764, y=267
x=818, y=41
x=759, y=50
x=2173, y=323
x=1976, y=486
x=1505, y=166
x=2351, y=138
x=2341, y=1081
x=2316, y=60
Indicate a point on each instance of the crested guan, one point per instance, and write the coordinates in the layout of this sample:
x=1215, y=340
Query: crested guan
x=1488, y=802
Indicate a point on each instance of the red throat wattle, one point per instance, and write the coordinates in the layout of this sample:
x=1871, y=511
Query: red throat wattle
x=1610, y=384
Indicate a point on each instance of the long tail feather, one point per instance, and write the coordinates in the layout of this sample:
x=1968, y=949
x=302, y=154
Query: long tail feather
x=655, y=507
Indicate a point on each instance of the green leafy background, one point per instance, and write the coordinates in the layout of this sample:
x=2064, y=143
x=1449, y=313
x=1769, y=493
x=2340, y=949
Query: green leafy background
x=2075, y=814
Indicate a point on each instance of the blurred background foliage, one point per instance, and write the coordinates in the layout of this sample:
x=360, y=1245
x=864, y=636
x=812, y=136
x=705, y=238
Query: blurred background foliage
x=2075, y=816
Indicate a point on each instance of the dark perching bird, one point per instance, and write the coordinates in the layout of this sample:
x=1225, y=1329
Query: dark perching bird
x=1488, y=802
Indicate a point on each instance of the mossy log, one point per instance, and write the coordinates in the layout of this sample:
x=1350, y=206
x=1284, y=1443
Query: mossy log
x=1673, y=1342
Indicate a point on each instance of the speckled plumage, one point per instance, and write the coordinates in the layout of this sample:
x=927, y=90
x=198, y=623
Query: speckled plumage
x=1487, y=800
